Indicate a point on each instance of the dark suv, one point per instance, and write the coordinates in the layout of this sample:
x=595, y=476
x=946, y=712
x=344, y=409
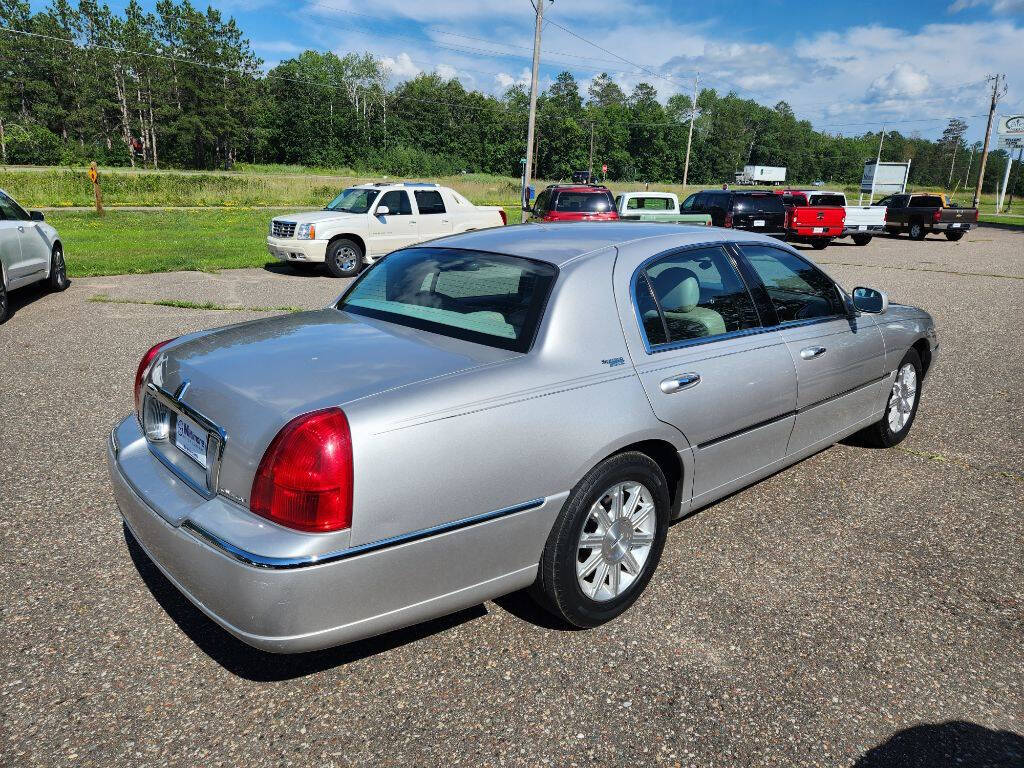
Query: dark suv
x=756, y=210
x=574, y=202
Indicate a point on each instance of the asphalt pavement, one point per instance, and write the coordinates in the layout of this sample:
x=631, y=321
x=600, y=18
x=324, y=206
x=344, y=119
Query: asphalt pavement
x=863, y=608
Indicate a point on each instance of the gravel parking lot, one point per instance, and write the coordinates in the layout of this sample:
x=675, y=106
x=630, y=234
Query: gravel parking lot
x=861, y=608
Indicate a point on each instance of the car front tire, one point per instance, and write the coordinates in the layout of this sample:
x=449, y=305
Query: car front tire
x=900, y=408
x=58, y=271
x=606, y=542
x=344, y=258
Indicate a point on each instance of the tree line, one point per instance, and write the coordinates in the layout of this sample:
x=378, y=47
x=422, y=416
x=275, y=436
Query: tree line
x=181, y=88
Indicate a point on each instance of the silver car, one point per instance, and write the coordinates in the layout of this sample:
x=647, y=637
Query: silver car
x=30, y=251
x=515, y=407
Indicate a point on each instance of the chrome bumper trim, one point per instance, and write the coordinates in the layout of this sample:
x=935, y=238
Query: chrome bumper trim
x=279, y=563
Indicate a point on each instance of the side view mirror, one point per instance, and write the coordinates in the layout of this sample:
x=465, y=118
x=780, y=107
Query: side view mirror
x=383, y=210
x=36, y=215
x=869, y=300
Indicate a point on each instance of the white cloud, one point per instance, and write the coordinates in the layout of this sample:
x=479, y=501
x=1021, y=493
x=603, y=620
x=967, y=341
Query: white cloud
x=997, y=6
x=446, y=71
x=401, y=67
x=902, y=82
x=505, y=80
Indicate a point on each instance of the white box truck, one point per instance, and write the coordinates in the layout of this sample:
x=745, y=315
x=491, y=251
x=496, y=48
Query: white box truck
x=761, y=174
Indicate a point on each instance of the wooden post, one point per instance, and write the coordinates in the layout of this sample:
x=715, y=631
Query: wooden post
x=94, y=177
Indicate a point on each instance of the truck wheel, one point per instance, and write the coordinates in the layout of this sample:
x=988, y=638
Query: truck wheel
x=344, y=258
x=954, y=236
x=917, y=230
x=820, y=243
x=862, y=239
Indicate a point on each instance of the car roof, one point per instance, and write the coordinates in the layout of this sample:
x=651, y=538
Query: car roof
x=644, y=193
x=562, y=242
x=578, y=188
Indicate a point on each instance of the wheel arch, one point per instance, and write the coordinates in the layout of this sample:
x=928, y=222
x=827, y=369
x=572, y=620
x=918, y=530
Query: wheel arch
x=924, y=351
x=669, y=460
x=357, y=239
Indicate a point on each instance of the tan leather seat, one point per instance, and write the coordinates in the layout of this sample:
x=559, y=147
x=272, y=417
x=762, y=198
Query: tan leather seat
x=678, y=291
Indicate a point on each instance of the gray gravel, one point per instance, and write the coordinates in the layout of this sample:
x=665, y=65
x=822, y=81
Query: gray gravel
x=864, y=607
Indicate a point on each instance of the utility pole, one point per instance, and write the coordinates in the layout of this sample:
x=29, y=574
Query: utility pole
x=590, y=165
x=988, y=135
x=689, y=139
x=878, y=161
x=533, y=106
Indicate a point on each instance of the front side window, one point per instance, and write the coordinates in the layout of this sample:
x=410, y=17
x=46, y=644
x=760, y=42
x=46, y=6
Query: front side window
x=689, y=202
x=583, y=202
x=541, y=206
x=10, y=210
x=353, y=200
x=429, y=202
x=693, y=294
x=798, y=290
x=482, y=297
x=397, y=203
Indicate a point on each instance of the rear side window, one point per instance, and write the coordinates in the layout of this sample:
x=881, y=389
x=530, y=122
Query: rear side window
x=771, y=203
x=486, y=298
x=541, y=206
x=584, y=202
x=10, y=210
x=429, y=202
x=397, y=203
x=798, y=290
x=693, y=294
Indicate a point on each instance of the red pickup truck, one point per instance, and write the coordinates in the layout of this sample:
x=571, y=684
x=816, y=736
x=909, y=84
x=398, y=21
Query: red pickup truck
x=816, y=225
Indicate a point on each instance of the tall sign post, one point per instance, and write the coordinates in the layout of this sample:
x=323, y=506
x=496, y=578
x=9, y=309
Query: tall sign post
x=94, y=177
x=1010, y=135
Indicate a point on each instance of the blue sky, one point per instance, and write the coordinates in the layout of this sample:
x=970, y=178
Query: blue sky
x=846, y=66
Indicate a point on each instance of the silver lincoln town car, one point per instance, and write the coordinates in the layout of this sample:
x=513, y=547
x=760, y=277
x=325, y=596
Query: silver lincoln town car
x=515, y=407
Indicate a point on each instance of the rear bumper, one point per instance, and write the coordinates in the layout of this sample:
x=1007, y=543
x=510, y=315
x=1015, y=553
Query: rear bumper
x=302, y=604
x=290, y=249
x=951, y=226
x=815, y=232
x=864, y=229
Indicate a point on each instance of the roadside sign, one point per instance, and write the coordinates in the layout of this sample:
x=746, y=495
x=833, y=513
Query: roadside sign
x=1011, y=125
x=884, y=177
x=93, y=173
x=1011, y=142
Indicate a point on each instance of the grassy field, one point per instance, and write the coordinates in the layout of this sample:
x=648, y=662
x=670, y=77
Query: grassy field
x=132, y=242
x=262, y=186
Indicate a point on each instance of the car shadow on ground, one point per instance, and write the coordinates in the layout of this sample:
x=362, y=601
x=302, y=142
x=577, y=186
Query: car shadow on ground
x=259, y=666
x=302, y=270
x=22, y=297
x=947, y=745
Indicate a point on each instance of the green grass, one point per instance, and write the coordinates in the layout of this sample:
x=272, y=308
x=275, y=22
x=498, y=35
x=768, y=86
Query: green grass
x=135, y=242
x=103, y=298
x=161, y=241
x=1015, y=221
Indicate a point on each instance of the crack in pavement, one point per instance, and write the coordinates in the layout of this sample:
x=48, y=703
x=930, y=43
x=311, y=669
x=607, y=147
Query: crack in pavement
x=920, y=269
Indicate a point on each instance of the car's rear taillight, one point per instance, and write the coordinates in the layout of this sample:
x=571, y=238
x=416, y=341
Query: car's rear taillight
x=143, y=370
x=937, y=215
x=305, y=478
x=504, y=216
x=975, y=214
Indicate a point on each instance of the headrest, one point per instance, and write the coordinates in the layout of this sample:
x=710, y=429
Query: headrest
x=678, y=289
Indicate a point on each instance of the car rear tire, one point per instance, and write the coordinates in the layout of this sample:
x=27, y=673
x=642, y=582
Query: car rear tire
x=606, y=541
x=820, y=243
x=917, y=230
x=344, y=258
x=901, y=407
x=58, y=271
x=861, y=239
x=954, y=236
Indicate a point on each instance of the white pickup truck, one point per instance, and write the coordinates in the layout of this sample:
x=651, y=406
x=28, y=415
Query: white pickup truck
x=368, y=221
x=862, y=222
x=656, y=206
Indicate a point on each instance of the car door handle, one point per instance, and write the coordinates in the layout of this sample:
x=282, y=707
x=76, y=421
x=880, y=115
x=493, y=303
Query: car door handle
x=812, y=352
x=680, y=382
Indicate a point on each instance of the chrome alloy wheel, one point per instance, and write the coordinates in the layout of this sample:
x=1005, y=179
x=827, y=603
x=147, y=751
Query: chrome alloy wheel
x=902, y=398
x=60, y=268
x=346, y=258
x=615, y=541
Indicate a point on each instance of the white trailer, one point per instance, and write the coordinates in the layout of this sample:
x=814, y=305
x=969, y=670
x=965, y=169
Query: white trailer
x=761, y=174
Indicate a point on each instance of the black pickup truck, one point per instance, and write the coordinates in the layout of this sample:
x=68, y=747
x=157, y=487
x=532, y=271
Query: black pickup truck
x=917, y=215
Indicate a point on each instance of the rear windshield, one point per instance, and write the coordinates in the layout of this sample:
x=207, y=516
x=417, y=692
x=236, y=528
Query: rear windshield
x=828, y=200
x=926, y=201
x=584, y=202
x=650, y=204
x=487, y=298
x=770, y=203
